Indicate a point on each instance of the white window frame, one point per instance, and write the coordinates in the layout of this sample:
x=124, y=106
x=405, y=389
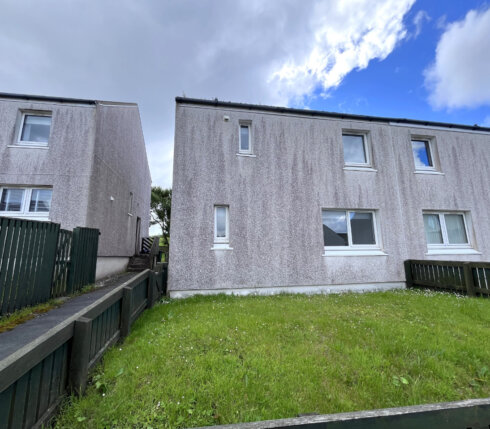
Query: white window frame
x=445, y=246
x=367, y=149
x=24, y=212
x=221, y=243
x=356, y=249
x=20, y=142
x=247, y=124
x=434, y=168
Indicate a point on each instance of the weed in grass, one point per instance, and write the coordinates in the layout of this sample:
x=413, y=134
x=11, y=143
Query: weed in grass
x=223, y=359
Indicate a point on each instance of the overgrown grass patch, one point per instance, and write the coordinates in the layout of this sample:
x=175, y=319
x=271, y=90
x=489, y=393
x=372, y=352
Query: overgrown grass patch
x=215, y=360
x=10, y=321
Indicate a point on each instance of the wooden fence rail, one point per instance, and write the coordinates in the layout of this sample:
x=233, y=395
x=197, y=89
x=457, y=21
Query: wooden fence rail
x=472, y=278
x=39, y=261
x=34, y=380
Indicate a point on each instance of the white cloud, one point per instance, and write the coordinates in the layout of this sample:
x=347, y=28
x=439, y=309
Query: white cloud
x=460, y=74
x=418, y=21
x=347, y=36
x=254, y=51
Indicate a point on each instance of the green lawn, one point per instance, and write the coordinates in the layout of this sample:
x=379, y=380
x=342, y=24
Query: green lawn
x=215, y=360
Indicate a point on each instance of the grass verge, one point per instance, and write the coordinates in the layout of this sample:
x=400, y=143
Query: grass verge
x=10, y=321
x=215, y=360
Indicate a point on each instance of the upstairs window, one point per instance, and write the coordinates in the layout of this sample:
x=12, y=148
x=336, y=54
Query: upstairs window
x=356, y=150
x=424, y=155
x=25, y=202
x=245, y=144
x=34, y=129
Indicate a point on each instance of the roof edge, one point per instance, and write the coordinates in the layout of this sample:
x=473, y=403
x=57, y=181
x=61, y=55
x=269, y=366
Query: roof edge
x=66, y=100
x=321, y=113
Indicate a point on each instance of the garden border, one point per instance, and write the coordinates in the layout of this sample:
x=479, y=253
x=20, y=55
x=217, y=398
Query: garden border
x=469, y=414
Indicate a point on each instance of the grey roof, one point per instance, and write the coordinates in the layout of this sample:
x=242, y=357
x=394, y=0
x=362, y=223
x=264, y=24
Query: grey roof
x=57, y=99
x=321, y=113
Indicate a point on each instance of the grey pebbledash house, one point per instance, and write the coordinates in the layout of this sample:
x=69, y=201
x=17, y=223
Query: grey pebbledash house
x=269, y=199
x=79, y=163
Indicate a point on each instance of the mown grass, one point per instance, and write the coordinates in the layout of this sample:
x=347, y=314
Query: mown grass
x=10, y=321
x=215, y=360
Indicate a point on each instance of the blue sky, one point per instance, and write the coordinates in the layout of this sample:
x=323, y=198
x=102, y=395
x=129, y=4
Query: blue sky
x=395, y=86
x=418, y=59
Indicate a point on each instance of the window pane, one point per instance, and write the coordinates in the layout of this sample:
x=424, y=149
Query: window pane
x=221, y=222
x=244, y=137
x=456, y=232
x=36, y=129
x=334, y=228
x=11, y=200
x=361, y=225
x=432, y=227
x=40, y=200
x=421, y=153
x=354, y=149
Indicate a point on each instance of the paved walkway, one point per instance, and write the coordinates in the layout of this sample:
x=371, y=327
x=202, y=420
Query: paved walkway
x=13, y=340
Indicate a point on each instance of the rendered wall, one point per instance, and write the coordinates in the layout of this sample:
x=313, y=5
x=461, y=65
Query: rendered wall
x=66, y=164
x=120, y=166
x=275, y=199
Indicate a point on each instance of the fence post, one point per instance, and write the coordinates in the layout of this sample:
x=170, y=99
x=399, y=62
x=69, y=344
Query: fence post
x=468, y=279
x=408, y=273
x=126, y=310
x=80, y=355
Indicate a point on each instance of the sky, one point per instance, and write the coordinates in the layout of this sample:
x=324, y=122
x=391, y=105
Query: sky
x=424, y=59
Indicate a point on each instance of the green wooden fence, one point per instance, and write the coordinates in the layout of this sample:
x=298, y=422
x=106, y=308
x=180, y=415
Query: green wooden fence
x=39, y=261
x=33, y=383
x=471, y=278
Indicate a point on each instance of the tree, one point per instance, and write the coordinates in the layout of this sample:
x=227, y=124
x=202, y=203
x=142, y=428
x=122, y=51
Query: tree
x=160, y=209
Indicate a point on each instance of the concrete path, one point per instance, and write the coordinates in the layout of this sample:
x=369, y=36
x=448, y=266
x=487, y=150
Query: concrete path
x=13, y=340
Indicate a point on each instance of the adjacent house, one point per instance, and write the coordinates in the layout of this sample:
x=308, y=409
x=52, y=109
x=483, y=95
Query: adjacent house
x=269, y=199
x=78, y=163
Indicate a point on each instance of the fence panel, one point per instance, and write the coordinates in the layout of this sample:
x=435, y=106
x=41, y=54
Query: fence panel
x=140, y=298
x=27, y=253
x=83, y=259
x=62, y=264
x=462, y=277
x=37, y=392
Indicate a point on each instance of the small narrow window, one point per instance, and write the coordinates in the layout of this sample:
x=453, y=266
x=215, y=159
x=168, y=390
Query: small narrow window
x=422, y=154
x=35, y=129
x=356, y=150
x=245, y=145
x=130, y=208
x=221, y=224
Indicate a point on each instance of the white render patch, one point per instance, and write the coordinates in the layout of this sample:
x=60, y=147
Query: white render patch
x=308, y=290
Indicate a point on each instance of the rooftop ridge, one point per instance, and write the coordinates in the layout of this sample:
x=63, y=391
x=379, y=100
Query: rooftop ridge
x=12, y=96
x=322, y=113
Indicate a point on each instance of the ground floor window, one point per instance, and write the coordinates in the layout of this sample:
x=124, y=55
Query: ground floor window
x=25, y=202
x=446, y=230
x=350, y=231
